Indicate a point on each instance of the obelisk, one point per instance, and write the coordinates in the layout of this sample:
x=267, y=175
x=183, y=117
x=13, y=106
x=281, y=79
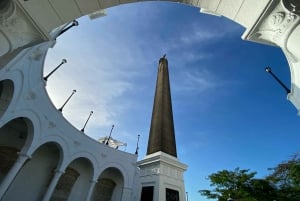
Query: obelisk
x=162, y=135
x=161, y=173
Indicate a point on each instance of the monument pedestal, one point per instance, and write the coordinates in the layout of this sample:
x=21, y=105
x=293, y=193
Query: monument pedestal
x=161, y=177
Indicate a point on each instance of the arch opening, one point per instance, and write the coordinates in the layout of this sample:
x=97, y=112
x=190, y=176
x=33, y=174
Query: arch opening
x=74, y=183
x=6, y=95
x=109, y=186
x=5, y=6
x=13, y=138
x=34, y=178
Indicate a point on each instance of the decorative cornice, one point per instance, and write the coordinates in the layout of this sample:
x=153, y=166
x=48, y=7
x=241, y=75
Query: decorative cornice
x=162, y=158
x=273, y=26
x=16, y=30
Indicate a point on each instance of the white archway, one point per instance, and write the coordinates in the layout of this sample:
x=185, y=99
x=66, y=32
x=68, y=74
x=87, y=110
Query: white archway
x=37, y=173
x=13, y=137
x=46, y=19
x=6, y=94
x=29, y=23
x=109, y=186
x=74, y=182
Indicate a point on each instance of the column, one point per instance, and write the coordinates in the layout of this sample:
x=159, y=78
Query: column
x=127, y=192
x=13, y=173
x=91, y=189
x=52, y=185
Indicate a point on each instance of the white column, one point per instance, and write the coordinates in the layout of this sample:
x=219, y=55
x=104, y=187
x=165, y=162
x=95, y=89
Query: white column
x=126, y=195
x=52, y=185
x=91, y=189
x=12, y=173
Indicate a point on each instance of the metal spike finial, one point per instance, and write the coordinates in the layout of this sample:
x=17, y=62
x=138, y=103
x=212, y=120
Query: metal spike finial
x=137, y=145
x=74, y=23
x=269, y=70
x=62, y=107
x=112, y=127
x=63, y=61
x=163, y=58
x=82, y=130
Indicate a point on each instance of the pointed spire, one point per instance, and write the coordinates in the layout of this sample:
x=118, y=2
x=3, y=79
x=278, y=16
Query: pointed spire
x=162, y=134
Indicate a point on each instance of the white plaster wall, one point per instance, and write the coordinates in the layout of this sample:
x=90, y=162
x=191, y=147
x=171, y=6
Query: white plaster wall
x=293, y=43
x=30, y=100
x=46, y=15
x=81, y=186
x=31, y=183
x=7, y=91
x=116, y=176
x=12, y=137
x=162, y=171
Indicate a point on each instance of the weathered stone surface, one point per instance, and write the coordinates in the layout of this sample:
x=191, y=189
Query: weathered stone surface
x=162, y=134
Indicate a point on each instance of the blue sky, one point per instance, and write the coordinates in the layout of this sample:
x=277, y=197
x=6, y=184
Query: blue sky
x=227, y=111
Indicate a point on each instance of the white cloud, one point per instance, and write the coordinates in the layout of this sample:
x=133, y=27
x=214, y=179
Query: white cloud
x=105, y=72
x=97, y=89
x=196, y=36
x=195, y=82
x=106, y=67
x=200, y=32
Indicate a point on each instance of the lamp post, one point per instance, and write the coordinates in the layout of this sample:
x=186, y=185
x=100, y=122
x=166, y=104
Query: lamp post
x=74, y=23
x=82, y=130
x=55, y=69
x=107, y=142
x=62, y=107
x=269, y=70
x=137, y=145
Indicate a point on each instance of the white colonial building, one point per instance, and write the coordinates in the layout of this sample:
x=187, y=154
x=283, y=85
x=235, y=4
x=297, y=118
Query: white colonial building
x=43, y=157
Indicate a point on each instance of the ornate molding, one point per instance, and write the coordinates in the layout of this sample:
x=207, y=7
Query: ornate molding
x=281, y=22
x=276, y=19
x=7, y=9
x=273, y=27
x=36, y=54
x=16, y=30
x=31, y=96
x=51, y=124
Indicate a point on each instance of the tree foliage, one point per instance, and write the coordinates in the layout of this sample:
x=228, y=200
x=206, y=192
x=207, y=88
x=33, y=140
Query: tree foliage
x=239, y=184
x=283, y=184
x=286, y=176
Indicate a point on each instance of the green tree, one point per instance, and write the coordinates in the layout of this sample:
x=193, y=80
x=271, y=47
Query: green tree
x=240, y=185
x=286, y=176
x=262, y=190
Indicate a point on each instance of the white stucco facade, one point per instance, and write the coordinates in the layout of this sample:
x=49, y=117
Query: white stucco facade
x=32, y=120
x=59, y=162
x=162, y=171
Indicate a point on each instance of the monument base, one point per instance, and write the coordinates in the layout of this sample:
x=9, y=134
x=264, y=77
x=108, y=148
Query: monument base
x=161, y=177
